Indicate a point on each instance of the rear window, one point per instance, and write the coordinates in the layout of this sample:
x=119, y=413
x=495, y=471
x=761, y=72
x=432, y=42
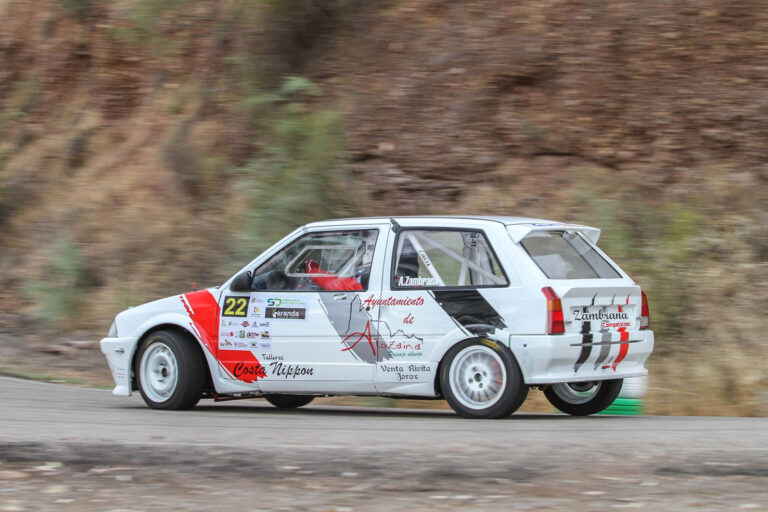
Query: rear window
x=567, y=256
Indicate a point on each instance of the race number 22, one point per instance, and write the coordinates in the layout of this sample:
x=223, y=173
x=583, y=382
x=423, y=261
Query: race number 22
x=235, y=306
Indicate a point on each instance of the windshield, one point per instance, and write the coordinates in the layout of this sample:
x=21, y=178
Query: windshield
x=563, y=255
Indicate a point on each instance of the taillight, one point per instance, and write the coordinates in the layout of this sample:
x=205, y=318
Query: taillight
x=645, y=313
x=555, y=323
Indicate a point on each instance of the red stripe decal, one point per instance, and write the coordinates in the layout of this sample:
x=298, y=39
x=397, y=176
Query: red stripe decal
x=623, y=349
x=203, y=311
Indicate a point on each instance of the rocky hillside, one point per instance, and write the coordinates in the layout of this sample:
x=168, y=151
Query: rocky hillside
x=146, y=145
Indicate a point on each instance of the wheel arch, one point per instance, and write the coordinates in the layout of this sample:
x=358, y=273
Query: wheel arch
x=438, y=387
x=169, y=326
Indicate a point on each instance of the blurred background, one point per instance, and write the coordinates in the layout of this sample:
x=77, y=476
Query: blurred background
x=146, y=145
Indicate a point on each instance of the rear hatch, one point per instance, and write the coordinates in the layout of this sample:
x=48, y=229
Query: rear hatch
x=596, y=296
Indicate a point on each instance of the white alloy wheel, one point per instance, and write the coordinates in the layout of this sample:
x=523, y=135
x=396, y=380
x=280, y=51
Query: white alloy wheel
x=577, y=392
x=478, y=377
x=583, y=398
x=159, y=372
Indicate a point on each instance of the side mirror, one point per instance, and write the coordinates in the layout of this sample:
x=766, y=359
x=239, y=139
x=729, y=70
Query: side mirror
x=241, y=282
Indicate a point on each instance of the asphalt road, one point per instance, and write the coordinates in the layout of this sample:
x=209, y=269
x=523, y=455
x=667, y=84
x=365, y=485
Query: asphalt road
x=85, y=445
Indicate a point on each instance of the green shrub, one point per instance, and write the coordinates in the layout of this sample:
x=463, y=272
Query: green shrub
x=77, y=8
x=59, y=293
x=298, y=176
x=147, y=20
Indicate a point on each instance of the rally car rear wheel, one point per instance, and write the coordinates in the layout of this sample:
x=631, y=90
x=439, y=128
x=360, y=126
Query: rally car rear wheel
x=170, y=372
x=481, y=379
x=289, y=401
x=583, y=398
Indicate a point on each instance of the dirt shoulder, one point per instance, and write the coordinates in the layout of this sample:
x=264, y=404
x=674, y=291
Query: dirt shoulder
x=106, y=477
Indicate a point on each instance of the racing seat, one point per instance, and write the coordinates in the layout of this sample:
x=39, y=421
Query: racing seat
x=331, y=283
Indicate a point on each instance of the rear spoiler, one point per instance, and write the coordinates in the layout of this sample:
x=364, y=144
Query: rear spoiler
x=519, y=231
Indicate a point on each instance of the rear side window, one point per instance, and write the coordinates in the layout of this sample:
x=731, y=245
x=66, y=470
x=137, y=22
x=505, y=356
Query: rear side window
x=433, y=258
x=567, y=256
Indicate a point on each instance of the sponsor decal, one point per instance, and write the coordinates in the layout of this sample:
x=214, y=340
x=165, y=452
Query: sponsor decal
x=423, y=255
x=358, y=336
x=265, y=335
x=406, y=354
x=225, y=344
x=556, y=225
x=278, y=302
x=204, y=313
x=340, y=296
x=256, y=311
x=371, y=302
x=245, y=324
x=279, y=313
x=264, y=324
x=614, y=325
x=409, y=372
x=417, y=281
x=117, y=371
x=280, y=369
x=604, y=336
x=277, y=308
x=583, y=316
x=400, y=345
x=241, y=344
x=249, y=371
x=398, y=340
x=242, y=334
x=235, y=306
x=253, y=334
x=352, y=321
x=265, y=345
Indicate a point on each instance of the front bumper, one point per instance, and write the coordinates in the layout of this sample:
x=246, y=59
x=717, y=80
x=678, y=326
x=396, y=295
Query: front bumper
x=563, y=358
x=119, y=353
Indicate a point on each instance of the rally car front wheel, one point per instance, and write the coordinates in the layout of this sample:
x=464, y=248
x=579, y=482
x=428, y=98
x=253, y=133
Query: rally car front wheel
x=481, y=379
x=583, y=398
x=170, y=371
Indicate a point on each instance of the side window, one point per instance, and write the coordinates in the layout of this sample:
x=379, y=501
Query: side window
x=328, y=261
x=437, y=258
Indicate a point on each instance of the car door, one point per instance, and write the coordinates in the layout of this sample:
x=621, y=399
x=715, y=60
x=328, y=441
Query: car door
x=432, y=293
x=306, y=322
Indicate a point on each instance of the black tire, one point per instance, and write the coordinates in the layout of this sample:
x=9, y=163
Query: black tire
x=566, y=396
x=163, y=355
x=484, y=376
x=289, y=401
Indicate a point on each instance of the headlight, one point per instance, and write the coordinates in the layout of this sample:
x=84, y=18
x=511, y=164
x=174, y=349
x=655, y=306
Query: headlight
x=112, y=330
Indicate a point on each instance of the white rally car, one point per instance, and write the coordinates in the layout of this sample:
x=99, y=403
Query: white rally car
x=476, y=310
